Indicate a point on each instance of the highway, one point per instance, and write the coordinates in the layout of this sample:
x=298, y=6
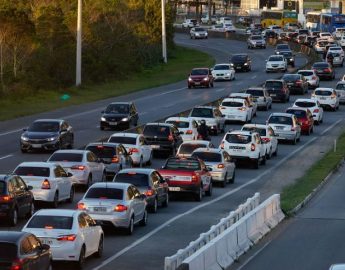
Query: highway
x=174, y=227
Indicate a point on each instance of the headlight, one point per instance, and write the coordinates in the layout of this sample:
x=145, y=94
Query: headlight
x=206, y=79
x=291, y=59
x=232, y=64
x=246, y=64
x=103, y=119
x=52, y=139
x=190, y=79
x=124, y=119
x=23, y=138
x=227, y=74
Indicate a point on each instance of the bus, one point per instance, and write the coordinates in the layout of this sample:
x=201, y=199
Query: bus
x=278, y=17
x=313, y=20
x=330, y=21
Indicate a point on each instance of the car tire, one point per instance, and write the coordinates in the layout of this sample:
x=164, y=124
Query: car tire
x=99, y=252
x=101, y=127
x=130, y=227
x=23, y=150
x=143, y=221
x=32, y=210
x=104, y=177
x=294, y=141
x=14, y=218
x=198, y=195
x=55, y=202
x=208, y=85
x=166, y=201
x=189, y=87
x=141, y=163
x=89, y=181
x=81, y=261
x=71, y=195
x=210, y=190
x=154, y=207
x=149, y=162
x=269, y=155
x=263, y=160
x=225, y=180
x=212, y=85
x=256, y=163
x=232, y=180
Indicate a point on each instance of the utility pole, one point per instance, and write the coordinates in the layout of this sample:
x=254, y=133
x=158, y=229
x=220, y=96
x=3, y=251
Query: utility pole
x=164, y=34
x=79, y=31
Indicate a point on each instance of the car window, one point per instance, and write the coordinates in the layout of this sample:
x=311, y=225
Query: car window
x=82, y=221
x=208, y=156
x=156, y=130
x=284, y=120
x=60, y=172
x=67, y=157
x=102, y=151
x=202, y=112
x=323, y=92
x=51, y=222
x=179, y=124
x=261, y=131
x=8, y=251
x=42, y=126
x=21, y=184
x=234, y=104
x=199, y=72
x=182, y=164
x=25, y=246
x=221, y=67
x=117, y=109
x=298, y=113
x=256, y=93
x=188, y=148
x=89, y=220
x=274, y=84
x=306, y=73
x=238, y=138
x=104, y=193
x=33, y=171
x=155, y=178
x=134, y=178
x=35, y=243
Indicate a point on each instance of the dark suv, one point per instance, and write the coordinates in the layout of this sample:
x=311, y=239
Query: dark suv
x=241, y=62
x=119, y=115
x=278, y=90
x=162, y=137
x=16, y=199
x=288, y=55
x=47, y=134
x=296, y=83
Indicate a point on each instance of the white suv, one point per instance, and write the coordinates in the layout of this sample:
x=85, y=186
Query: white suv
x=236, y=109
x=276, y=63
x=245, y=145
x=327, y=97
x=215, y=121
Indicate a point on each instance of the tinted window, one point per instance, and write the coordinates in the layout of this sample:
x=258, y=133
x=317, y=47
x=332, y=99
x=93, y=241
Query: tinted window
x=179, y=124
x=102, y=151
x=306, y=73
x=104, y=193
x=51, y=222
x=2, y=188
x=280, y=120
x=323, y=93
x=182, y=164
x=261, y=131
x=33, y=171
x=136, y=179
x=239, y=58
x=199, y=72
x=291, y=77
x=320, y=65
x=222, y=67
x=8, y=251
x=66, y=157
x=232, y=104
x=238, y=138
x=283, y=47
x=117, y=109
x=275, y=59
x=256, y=93
x=44, y=127
x=256, y=37
x=274, y=85
x=202, y=112
x=208, y=157
x=199, y=29
x=155, y=130
x=189, y=148
x=123, y=140
x=305, y=104
x=298, y=113
x=340, y=86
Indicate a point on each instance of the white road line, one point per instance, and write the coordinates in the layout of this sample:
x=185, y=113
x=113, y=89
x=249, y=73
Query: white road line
x=161, y=94
x=220, y=90
x=145, y=237
x=253, y=77
x=10, y=132
x=6, y=157
x=254, y=255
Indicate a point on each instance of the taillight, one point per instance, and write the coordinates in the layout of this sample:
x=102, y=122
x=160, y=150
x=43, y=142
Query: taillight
x=45, y=184
x=241, y=109
x=327, y=70
x=115, y=159
x=298, y=82
x=170, y=137
x=5, y=198
x=150, y=192
x=221, y=166
x=221, y=145
x=252, y=147
x=120, y=208
x=194, y=178
x=314, y=78
x=316, y=111
x=266, y=140
x=81, y=206
x=17, y=264
x=78, y=167
x=189, y=132
x=133, y=150
x=69, y=237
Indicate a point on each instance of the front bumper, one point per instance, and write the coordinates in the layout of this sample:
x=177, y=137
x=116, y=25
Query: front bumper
x=114, y=125
x=28, y=145
x=198, y=83
x=274, y=68
x=222, y=77
x=118, y=220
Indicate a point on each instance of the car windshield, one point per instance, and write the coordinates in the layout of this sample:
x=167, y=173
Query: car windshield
x=232, y=104
x=179, y=124
x=117, y=108
x=284, y=120
x=325, y=35
x=238, y=138
x=320, y=65
x=188, y=148
x=66, y=157
x=8, y=251
x=256, y=38
x=303, y=31
x=182, y=164
x=340, y=86
x=208, y=156
x=2, y=187
x=123, y=140
x=136, y=179
x=275, y=59
x=283, y=47
x=199, y=29
x=221, y=67
x=291, y=77
x=33, y=171
x=255, y=93
x=44, y=127
x=238, y=58
x=322, y=43
x=102, y=151
x=261, y=131
x=156, y=130
x=298, y=113
x=286, y=53
x=323, y=93
x=273, y=85
x=51, y=222
x=104, y=193
x=202, y=112
x=305, y=104
x=306, y=73
x=199, y=72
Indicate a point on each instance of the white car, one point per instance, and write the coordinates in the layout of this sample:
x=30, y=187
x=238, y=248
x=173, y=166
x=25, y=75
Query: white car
x=276, y=63
x=187, y=126
x=327, y=97
x=340, y=89
x=338, y=58
x=276, y=28
x=121, y=205
x=311, y=77
x=186, y=148
x=320, y=46
x=314, y=107
x=223, y=72
x=189, y=23
x=285, y=126
x=246, y=146
x=339, y=31
x=336, y=49
x=220, y=164
x=326, y=36
x=261, y=97
x=337, y=267
x=224, y=20
x=252, y=104
x=236, y=109
x=71, y=234
x=198, y=32
x=341, y=41
x=228, y=27
x=83, y=164
x=256, y=41
x=267, y=135
x=50, y=182
x=217, y=28
x=136, y=146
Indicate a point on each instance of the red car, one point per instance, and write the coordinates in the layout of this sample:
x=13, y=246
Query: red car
x=200, y=77
x=304, y=117
x=188, y=175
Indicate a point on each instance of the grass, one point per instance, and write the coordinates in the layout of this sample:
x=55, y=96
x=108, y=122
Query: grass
x=296, y=193
x=180, y=62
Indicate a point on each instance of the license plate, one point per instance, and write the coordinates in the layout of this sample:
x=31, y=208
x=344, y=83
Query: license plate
x=100, y=209
x=273, y=95
x=154, y=146
x=174, y=188
x=46, y=241
x=279, y=127
x=323, y=98
x=238, y=67
x=113, y=123
x=36, y=145
x=197, y=83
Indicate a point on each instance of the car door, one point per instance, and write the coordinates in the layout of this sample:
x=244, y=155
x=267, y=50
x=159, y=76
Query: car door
x=296, y=125
x=94, y=232
x=205, y=175
x=125, y=157
x=229, y=165
x=273, y=137
x=155, y=179
x=86, y=234
x=19, y=190
x=177, y=136
x=63, y=134
x=40, y=256
x=140, y=203
x=134, y=114
x=59, y=181
x=219, y=118
x=95, y=165
x=70, y=135
x=144, y=148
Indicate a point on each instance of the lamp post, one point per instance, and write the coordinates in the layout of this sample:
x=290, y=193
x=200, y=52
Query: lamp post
x=79, y=28
x=164, y=34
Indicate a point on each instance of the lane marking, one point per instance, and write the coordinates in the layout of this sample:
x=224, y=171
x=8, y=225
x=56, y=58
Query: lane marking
x=253, y=77
x=11, y=155
x=254, y=255
x=10, y=132
x=238, y=83
x=168, y=222
x=220, y=90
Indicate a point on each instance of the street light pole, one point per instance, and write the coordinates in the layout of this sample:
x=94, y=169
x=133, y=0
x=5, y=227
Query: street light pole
x=164, y=34
x=79, y=28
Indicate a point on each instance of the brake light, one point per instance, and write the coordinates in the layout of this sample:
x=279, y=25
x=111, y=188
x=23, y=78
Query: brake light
x=134, y=150
x=100, y=146
x=115, y=159
x=17, y=264
x=252, y=147
x=189, y=132
x=220, y=166
x=78, y=167
x=69, y=237
x=81, y=206
x=266, y=140
x=5, y=198
x=327, y=70
x=45, y=184
x=316, y=111
x=222, y=145
x=241, y=109
x=150, y=192
x=170, y=137
x=194, y=178
x=120, y=208
x=298, y=82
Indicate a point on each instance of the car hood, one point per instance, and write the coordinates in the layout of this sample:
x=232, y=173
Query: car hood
x=238, y=62
x=117, y=115
x=40, y=135
x=200, y=32
x=198, y=76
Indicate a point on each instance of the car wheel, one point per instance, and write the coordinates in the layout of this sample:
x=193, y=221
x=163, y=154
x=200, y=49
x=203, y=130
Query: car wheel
x=166, y=201
x=104, y=177
x=89, y=181
x=270, y=107
x=141, y=164
x=232, y=180
x=130, y=227
x=294, y=141
x=23, y=150
x=154, y=207
x=208, y=85
x=101, y=127
x=198, y=194
x=14, y=218
x=256, y=163
x=269, y=155
x=71, y=195
x=149, y=162
x=99, y=252
x=81, y=261
x=55, y=201
x=31, y=210
x=189, y=87
x=212, y=85
x=210, y=189
x=225, y=180
x=263, y=160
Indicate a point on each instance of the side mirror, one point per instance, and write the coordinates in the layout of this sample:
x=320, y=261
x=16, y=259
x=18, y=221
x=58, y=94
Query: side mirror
x=45, y=247
x=29, y=188
x=69, y=174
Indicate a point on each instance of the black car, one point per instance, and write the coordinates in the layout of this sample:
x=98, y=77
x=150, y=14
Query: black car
x=162, y=137
x=22, y=250
x=278, y=90
x=16, y=199
x=310, y=41
x=241, y=62
x=290, y=58
x=270, y=34
x=296, y=83
x=119, y=115
x=282, y=47
x=47, y=134
x=324, y=70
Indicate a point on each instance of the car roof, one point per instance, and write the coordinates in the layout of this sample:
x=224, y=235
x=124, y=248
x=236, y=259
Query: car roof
x=240, y=95
x=159, y=124
x=210, y=150
x=49, y=120
x=281, y=114
x=11, y=236
x=234, y=99
x=274, y=80
x=186, y=119
x=37, y=164
x=255, y=125
x=204, y=107
x=56, y=212
x=109, y=144
x=137, y=170
x=324, y=89
x=244, y=132
x=196, y=142
x=305, y=100
x=298, y=108
x=121, y=102
x=257, y=88
x=341, y=82
x=221, y=64
x=125, y=134
x=240, y=54
x=303, y=70
x=274, y=55
x=71, y=151
x=201, y=68
x=111, y=185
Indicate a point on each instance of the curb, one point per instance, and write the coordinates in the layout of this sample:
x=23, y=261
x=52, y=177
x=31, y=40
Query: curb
x=317, y=189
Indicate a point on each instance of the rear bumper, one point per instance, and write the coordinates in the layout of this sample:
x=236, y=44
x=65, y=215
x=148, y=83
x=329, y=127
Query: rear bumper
x=183, y=188
x=285, y=135
x=114, y=125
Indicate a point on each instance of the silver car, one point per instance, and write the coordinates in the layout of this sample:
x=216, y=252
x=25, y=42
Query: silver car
x=116, y=204
x=198, y=32
x=261, y=97
x=256, y=41
x=186, y=148
x=113, y=155
x=219, y=162
x=340, y=89
x=83, y=164
x=285, y=126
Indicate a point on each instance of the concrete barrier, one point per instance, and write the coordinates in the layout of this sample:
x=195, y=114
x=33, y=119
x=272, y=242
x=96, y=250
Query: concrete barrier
x=242, y=236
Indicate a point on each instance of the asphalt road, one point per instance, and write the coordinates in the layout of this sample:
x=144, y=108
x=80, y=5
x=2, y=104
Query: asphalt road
x=313, y=240
x=174, y=227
